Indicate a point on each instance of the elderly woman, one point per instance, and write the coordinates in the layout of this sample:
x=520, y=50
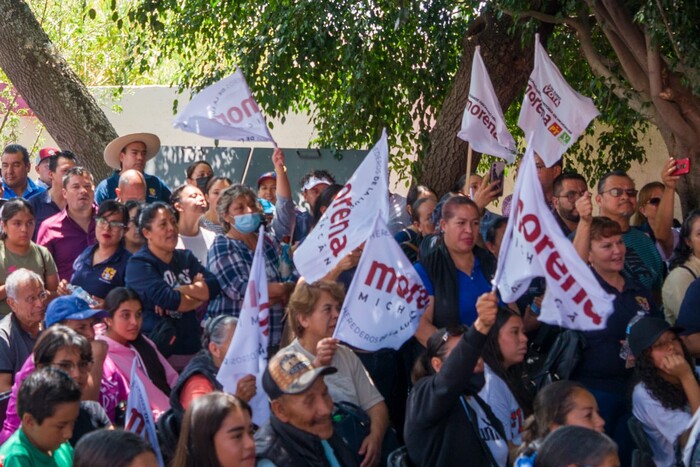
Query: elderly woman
x=456, y=272
x=313, y=313
x=231, y=257
x=171, y=284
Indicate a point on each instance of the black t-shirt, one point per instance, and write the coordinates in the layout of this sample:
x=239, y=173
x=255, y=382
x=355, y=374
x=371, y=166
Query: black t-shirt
x=90, y=418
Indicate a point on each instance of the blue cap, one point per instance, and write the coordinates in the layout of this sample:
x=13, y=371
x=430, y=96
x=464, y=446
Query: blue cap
x=70, y=307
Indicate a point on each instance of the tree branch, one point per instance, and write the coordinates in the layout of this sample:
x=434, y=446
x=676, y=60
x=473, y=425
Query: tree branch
x=667, y=111
x=630, y=34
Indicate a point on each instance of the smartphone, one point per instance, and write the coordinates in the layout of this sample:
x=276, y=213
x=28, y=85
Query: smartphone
x=682, y=167
x=496, y=174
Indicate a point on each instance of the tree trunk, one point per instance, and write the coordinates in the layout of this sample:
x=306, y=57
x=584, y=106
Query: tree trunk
x=51, y=89
x=509, y=66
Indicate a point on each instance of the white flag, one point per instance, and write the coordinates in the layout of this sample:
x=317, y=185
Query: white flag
x=385, y=299
x=483, y=124
x=225, y=110
x=534, y=246
x=555, y=113
x=247, y=354
x=349, y=219
x=139, y=418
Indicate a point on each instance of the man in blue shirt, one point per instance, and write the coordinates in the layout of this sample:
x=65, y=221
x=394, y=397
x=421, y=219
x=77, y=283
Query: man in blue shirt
x=15, y=173
x=132, y=152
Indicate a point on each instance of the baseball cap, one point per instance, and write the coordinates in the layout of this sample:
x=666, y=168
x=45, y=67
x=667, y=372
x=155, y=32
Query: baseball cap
x=70, y=307
x=645, y=332
x=291, y=372
x=266, y=176
x=45, y=153
x=313, y=181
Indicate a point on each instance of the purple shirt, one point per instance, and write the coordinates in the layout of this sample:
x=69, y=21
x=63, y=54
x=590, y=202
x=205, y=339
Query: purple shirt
x=60, y=228
x=44, y=207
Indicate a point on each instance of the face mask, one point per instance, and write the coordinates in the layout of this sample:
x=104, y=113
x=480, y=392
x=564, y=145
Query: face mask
x=247, y=223
x=202, y=183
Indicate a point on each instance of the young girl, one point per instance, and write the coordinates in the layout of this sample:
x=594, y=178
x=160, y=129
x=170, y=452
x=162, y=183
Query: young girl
x=561, y=403
x=216, y=432
x=126, y=344
x=504, y=389
x=667, y=392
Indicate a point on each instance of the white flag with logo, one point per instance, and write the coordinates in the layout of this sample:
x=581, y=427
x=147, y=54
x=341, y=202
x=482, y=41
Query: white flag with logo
x=349, y=219
x=552, y=111
x=225, y=110
x=247, y=354
x=534, y=246
x=139, y=418
x=386, y=298
x=483, y=124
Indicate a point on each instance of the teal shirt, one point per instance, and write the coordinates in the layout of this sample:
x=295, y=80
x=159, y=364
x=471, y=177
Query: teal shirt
x=18, y=451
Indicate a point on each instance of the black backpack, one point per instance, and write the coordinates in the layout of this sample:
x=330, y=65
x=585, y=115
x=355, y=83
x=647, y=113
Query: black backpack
x=553, y=356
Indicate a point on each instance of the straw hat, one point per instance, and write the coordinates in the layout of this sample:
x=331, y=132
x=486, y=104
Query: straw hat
x=113, y=149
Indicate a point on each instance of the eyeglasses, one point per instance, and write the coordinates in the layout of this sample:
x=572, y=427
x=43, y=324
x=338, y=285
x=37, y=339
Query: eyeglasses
x=654, y=201
x=573, y=195
x=82, y=366
x=617, y=192
x=659, y=345
x=33, y=298
x=102, y=222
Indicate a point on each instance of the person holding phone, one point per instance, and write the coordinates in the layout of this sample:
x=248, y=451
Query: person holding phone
x=658, y=208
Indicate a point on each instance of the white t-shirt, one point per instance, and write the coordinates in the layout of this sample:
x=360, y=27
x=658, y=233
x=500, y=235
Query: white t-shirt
x=198, y=245
x=351, y=383
x=661, y=425
x=490, y=434
x=504, y=405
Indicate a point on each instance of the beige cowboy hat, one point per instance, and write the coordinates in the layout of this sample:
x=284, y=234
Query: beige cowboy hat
x=113, y=149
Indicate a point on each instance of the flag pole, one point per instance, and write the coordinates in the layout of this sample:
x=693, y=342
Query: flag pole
x=469, y=170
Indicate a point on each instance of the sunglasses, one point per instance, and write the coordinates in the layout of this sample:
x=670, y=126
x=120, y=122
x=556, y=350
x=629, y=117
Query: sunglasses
x=654, y=201
x=617, y=192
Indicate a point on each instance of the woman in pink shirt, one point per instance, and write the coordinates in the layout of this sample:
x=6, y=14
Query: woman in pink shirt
x=126, y=343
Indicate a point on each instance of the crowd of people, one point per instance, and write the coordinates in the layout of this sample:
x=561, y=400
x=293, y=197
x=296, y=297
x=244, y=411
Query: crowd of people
x=97, y=279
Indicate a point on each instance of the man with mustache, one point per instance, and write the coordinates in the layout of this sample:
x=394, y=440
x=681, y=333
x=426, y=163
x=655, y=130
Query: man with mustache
x=300, y=429
x=617, y=200
x=568, y=188
x=69, y=232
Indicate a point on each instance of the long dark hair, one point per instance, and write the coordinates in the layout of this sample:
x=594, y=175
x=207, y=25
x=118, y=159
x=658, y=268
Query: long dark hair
x=200, y=423
x=574, y=445
x=109, y=448
x=10, y=210
x=552, y=405
x=683, y=251
x=148, y=354
x=671, y=396
x=513, y=376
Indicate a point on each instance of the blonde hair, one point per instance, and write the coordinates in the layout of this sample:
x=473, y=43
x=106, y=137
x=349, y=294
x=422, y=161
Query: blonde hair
x=304, y=298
